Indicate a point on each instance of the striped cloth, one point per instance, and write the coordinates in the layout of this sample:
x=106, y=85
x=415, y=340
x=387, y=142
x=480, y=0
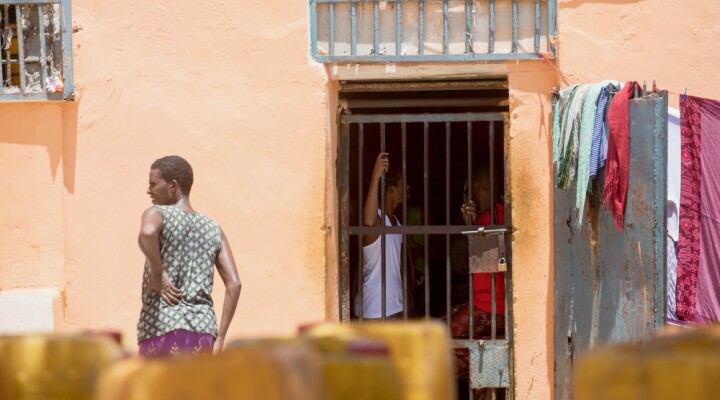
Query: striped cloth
x=598, y=154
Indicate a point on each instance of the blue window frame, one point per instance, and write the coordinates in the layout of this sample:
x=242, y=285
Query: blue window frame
x=36, y=50
x=358, y=31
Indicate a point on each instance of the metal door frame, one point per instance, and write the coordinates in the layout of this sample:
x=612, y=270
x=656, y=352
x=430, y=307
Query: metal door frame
x=495, y=353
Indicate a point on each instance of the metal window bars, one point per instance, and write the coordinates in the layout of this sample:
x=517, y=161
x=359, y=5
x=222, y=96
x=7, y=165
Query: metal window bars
x=359, y=31
x=489, y=354
x=36, y=50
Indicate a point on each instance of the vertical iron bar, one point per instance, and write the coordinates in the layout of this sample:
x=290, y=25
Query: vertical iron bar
x=551, y=26
x=468, y=27
x=353, y=27
x=313, y=27
x=426, y=196
x=43, y=57
x=8, y=66
x=361, y=263
x=405, y=237
x=448, y=275
x=343, y=177
x=446, y=28
x=331, y=17
x=21, y=46
x=493, y=322
x=537, y=25
x=515, y=26
x=471, y=187
x=491, y=33
x=421, y=27
x=491, y=140
x=376, y=27
x=67, y=50
x=491, y=145
x=383, y=260
x=398, y=28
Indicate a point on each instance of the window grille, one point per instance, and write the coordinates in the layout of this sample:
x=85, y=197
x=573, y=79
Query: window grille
x=36, y=50
x=431, y=30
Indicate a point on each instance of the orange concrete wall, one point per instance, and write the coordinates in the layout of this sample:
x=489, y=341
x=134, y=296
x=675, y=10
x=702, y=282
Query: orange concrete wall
x=529, y=152
x=673, y=42
x=229, y=86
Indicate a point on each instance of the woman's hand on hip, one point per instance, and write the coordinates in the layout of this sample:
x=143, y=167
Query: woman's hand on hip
x=165, y=288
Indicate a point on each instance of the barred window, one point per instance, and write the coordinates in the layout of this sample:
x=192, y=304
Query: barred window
x=35, y=50
x=431, y=30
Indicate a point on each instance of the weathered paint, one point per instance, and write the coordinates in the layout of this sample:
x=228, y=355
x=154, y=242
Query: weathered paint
x=609, y=285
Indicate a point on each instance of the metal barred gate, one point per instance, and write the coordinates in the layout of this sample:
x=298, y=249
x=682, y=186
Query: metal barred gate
x=436, y=153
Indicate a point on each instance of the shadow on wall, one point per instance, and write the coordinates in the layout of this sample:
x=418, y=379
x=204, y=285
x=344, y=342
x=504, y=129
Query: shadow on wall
x=578, y=3
x=52, y=125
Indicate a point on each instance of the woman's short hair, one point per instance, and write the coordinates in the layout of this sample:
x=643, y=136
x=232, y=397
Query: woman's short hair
x=175, y=168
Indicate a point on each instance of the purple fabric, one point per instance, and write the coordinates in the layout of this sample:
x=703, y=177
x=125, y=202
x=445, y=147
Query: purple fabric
x=175, y=343
x=708, y=283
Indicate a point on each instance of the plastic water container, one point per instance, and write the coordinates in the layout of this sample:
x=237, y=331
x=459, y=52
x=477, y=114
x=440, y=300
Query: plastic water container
x=40, y=367
x=286, y=371
x=676, y=366
x=420, y=352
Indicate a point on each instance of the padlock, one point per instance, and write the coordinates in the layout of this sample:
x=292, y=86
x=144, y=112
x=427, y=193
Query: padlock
x=502, y=264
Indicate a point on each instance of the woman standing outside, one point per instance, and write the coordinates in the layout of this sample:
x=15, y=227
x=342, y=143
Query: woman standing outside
x=182, y=247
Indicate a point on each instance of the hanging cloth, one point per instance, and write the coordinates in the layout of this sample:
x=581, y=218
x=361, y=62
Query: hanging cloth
x=587, y=125
x=616, y=169
x=559, y=119
x=598, y=154
x=570, y=139
x=698, y=280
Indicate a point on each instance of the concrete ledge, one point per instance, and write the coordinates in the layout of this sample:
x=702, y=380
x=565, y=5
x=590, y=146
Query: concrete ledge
x=30, y=311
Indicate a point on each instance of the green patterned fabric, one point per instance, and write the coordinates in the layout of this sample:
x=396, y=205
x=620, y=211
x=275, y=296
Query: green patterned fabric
x=567, y=140
x=586, y=132
x=189, y=245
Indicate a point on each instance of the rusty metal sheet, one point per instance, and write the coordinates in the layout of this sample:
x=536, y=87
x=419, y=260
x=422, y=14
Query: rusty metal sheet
x=609, y=285
x=489, y=362
x=632, y=264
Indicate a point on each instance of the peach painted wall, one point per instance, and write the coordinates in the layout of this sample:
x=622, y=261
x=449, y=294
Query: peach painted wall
x=529, y=153
x=228, y=85
x=673, y=42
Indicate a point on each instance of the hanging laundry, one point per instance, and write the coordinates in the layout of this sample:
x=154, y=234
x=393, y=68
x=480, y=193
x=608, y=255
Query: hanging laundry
x=598, y=153
x=570, y=138
x=673, y=173
x=587, y=125
x=672, y=208
x=559, y=119
x=670, y=285
x=616, y=169
x=698, y=277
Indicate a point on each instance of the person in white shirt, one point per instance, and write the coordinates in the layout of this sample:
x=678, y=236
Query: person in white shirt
x=372, y=246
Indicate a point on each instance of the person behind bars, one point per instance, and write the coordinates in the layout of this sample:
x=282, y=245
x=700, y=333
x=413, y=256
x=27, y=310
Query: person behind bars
x=372, y=246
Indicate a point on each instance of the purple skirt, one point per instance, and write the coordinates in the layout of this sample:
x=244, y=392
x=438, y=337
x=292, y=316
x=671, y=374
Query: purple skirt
x=175, y=343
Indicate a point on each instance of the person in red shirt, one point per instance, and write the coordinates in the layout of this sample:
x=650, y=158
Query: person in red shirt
x=478, y=209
